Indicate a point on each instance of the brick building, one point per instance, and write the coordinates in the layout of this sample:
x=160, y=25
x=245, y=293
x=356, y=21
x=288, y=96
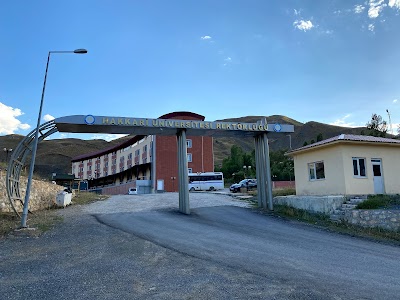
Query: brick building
x=151, y=158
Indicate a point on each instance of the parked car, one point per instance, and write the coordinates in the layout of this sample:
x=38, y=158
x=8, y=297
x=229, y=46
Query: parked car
x=132, y=191
x=248, y=183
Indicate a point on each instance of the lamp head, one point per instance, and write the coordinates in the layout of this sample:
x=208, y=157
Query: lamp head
x=80, y=51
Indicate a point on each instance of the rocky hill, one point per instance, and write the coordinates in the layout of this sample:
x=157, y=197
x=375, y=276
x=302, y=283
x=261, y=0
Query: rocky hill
x=54, y=156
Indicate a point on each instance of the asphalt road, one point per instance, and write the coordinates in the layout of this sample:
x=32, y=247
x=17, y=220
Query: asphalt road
x=142, y=248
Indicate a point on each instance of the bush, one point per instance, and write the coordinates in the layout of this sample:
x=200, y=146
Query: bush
x=379, y=202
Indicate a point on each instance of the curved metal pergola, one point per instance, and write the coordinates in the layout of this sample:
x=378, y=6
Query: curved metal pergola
x=18, y=159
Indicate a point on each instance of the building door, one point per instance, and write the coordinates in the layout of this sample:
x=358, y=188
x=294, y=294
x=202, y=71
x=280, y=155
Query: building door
x=377, y=174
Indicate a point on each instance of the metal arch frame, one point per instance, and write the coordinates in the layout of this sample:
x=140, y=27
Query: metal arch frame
x=74, y=124
x=18, y=159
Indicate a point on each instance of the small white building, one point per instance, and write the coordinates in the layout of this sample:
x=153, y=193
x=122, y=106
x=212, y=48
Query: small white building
x=348, y=165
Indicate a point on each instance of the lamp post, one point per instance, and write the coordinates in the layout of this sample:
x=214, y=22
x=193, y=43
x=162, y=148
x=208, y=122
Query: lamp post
x=7, y=151
x=290, y=141
x=173, y=183
x=35, y=143
x=246, y=168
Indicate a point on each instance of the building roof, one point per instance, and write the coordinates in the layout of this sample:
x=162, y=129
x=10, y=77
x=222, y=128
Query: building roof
x=347, y=138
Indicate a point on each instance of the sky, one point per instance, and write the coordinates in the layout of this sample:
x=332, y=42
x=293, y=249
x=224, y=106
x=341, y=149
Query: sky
x=335, y=62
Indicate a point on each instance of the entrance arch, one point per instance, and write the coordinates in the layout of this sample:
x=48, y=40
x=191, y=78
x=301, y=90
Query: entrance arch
x=146, y=126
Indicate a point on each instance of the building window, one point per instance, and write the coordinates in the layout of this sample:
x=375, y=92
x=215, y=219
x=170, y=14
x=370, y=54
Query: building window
x=359, y=167
x=189, y=143
x=190, y=170
x=189, y=157
x=316, y=170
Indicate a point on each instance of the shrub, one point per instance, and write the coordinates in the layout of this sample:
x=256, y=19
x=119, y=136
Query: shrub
x=379, y=201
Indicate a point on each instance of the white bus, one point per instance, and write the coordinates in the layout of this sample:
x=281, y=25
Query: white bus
x=208, y=181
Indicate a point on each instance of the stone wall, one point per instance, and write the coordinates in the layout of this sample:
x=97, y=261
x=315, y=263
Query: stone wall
x=387, y=219
x=317, y=204
x=42, y=195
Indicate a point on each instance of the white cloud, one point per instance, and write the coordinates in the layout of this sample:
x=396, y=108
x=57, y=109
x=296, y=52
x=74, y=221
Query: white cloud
x=107, y=137
x=303, y=25
x=48, y=118
x=371, y=27
x=343, y=122
x=296, y=12
x=394, y=3
x=227, y=60
x=8, y=120
x=395, y=100
x=375, y=8
x=358, y=9
x=206, y=37
x=63, y=136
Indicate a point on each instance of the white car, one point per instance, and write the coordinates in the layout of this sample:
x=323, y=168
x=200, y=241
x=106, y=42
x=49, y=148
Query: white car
x=132, y=191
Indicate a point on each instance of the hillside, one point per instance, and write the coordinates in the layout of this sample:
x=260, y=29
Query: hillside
x=54, y=156
x=302, y=133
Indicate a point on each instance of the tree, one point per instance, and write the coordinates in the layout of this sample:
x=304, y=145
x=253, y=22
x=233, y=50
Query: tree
x=377, y=126
x=312, y=142
x=232, y=166
x=319, y=137
x=281, y=166
x=305, y=143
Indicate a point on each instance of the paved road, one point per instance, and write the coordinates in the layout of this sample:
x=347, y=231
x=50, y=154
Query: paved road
x=140, y=247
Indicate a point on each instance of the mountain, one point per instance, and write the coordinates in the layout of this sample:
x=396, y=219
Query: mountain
x=302, y=133
x=54, y=156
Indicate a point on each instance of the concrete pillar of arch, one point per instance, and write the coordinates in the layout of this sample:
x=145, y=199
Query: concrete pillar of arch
x=183, y=173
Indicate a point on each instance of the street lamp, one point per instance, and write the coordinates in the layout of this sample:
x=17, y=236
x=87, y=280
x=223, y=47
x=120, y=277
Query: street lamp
x=173, y=183
x=290, y=141
x=7, y=151
x=246, y=168
x=35, y=143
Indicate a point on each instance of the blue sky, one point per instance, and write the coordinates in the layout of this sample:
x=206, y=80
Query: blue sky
x=335, y=62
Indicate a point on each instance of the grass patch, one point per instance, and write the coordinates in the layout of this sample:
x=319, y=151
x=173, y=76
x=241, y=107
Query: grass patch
x=322, y=220
x=301, y=215
x=379, y=202
x=83, y=198
x=283, y=192
x=44, y=220
x=8, y=222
